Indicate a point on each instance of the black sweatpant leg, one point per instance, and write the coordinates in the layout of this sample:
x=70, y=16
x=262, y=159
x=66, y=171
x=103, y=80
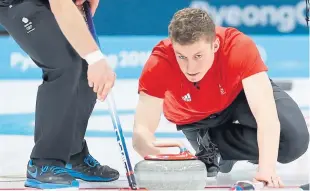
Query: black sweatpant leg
x=85, y=105
x=61, y=94
x=239, y=141
x=236, y=135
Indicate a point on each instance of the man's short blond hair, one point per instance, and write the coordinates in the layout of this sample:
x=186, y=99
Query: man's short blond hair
x=190, y=25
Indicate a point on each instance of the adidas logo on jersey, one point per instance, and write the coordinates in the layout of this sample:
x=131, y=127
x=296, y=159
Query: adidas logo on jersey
x=187, y=97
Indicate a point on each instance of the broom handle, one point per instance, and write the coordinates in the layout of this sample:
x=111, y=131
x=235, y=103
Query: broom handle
x=112, y=108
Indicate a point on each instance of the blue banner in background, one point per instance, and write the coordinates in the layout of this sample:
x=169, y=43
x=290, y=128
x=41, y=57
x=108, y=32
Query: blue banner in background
x=143, y=17
x=286, y=56
x=263, y=17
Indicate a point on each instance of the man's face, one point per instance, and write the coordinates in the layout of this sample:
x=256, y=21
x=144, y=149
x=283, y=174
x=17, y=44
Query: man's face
x=196, y=59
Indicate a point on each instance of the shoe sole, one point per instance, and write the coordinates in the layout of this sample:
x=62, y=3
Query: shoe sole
x=227, y=167
x=32, y=183
x=80, y=176
x=212, y=174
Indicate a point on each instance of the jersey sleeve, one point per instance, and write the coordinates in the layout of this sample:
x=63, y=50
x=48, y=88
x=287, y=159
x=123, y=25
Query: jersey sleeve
x=152, y=79
x=246, y=58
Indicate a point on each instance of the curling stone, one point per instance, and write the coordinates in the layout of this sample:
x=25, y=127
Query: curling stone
x=247, y=186
x=182, y=171
x=243, y=185
x=305, y=187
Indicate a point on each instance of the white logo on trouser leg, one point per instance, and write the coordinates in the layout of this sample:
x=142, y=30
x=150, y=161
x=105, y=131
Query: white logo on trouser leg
x=28, y=25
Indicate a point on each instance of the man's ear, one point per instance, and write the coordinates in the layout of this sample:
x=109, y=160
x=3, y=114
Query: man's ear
x=216, y=45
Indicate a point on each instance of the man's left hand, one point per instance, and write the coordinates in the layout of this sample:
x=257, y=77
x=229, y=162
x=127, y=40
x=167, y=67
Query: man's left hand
x=270, y=178
x=93, y=5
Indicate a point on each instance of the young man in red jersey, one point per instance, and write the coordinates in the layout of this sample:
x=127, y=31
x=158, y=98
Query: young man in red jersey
x=212, y=83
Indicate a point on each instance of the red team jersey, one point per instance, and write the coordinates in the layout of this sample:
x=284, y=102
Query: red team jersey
x=184, y=103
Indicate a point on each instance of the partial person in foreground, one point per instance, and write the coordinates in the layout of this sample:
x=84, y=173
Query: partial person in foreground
x=212, y=83
x=54, y=34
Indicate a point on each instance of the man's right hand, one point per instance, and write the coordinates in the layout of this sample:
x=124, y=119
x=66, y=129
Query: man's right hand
x=101, y=78
x=93, y=5
x=146, y=121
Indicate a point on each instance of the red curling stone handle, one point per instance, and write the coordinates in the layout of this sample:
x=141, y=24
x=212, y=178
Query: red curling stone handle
x=183, y=155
